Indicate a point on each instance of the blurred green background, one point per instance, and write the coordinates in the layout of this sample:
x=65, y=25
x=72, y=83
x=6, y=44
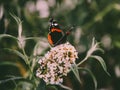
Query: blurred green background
x=91, y=18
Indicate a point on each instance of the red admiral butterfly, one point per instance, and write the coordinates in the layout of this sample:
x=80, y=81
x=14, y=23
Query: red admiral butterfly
x=56, y=36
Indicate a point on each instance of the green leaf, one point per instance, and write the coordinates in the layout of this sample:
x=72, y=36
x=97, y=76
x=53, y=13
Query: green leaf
x=9, y=79
x=92, y=75
x=7, y=63
x=17, y=19
x=24, y=85
x=32, y=38
x=19, y=23
x=100, y=59
x=51, y=87
x=7, y=35
x=65, y=87
x=74, y=69
x=41, y=85
x=17, y=53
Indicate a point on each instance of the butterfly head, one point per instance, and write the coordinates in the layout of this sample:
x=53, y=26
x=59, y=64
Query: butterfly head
x=53, y=24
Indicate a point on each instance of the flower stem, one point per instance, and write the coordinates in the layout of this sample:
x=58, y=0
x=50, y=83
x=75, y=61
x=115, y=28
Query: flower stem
x=83, y=60
x=30, y=70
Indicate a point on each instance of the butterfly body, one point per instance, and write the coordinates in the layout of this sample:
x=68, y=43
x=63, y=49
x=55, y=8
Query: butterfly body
x=56, y=36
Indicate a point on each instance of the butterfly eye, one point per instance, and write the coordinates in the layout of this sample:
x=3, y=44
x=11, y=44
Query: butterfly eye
x=55, y=24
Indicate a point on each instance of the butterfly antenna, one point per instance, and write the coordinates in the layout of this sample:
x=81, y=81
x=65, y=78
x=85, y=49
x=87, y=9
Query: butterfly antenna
x=65, y=36
x=69, y=31
x=51, y=20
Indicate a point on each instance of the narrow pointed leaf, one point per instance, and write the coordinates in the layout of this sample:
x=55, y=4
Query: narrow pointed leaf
x=7, y=63
x=100, y=59
x=74, y=68
x=92, y=75
x=65, y=87
x=7, y=35
x=17, y=53
x=9, y=79
x=41, y=85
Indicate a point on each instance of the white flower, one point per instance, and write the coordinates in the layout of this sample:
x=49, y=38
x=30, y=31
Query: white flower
x=56, y=63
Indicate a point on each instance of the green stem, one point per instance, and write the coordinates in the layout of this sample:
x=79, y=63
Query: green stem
x=83, y=60
x=28, y=64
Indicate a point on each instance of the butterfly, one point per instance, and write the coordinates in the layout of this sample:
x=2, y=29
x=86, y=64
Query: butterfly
x=56, y=36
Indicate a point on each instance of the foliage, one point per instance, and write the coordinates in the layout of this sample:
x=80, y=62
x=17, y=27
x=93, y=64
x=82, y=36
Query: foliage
x=24, y=43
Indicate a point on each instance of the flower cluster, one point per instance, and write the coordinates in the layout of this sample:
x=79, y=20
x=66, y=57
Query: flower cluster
x=56, y=63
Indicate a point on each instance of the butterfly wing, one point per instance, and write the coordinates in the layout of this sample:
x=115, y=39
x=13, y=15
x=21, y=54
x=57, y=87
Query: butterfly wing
x=54, y=36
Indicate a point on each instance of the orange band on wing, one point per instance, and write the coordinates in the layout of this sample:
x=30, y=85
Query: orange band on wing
x=50, y=40
x=55, y=29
